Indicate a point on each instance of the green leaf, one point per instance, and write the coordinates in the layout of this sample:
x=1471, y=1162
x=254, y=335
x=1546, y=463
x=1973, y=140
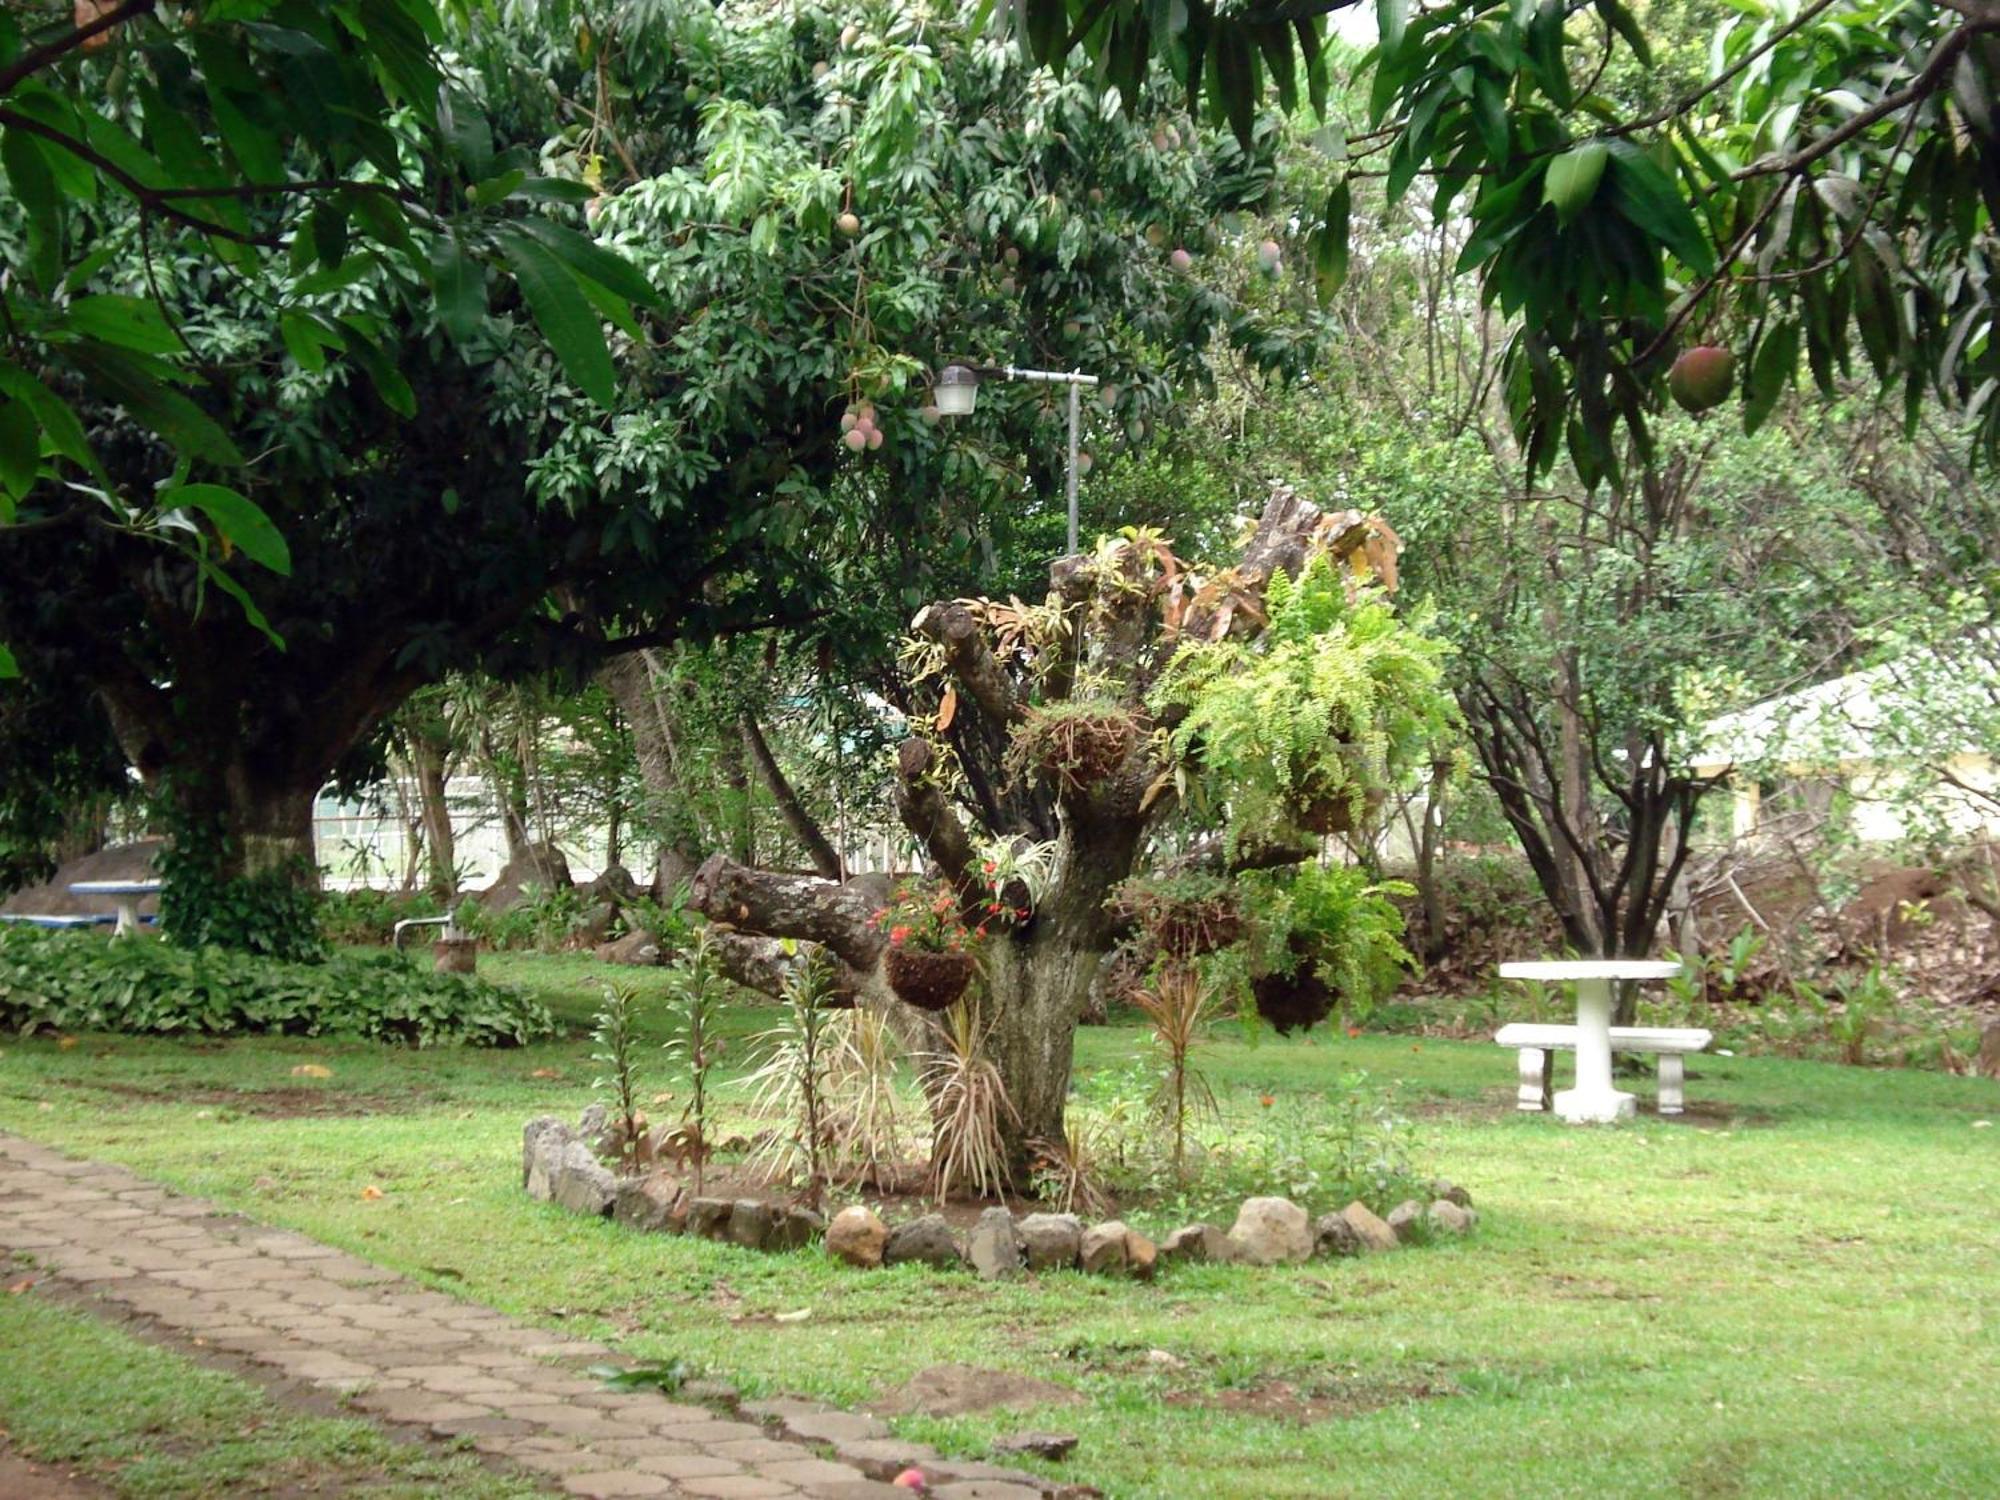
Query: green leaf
x=593, y=262
x=59, y=424
x=1573, y=177
x=1392, y=21
x=33, y=185
x=1772, y=368
x=153, y=404
x=1330, y=247
x=1621, y=21
x=563, y=314
x=494, y=189
x=556, y=190
x=306, y=340
x=8, y=666
x=1647, y=199
x=459, y=283
x=235, y=590
x=20, y=448
x=238, y=519
x=259, y=152
x=129, y=322
x=382, y=373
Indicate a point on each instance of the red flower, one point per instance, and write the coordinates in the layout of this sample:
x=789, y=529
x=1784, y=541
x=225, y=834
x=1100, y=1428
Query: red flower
x=897, y=935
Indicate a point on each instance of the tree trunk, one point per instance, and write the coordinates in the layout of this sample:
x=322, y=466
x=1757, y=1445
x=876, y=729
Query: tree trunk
x=1036, y=990
x=635, y=684
x=427, y=768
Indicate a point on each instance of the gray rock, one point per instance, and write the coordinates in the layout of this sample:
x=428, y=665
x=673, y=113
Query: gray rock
x=656, y=1202
x=858, y=1236
x=750, y=1221
x=1333, y=1235
x=1103, y=1246
x=1447, y=1217
x=928, y=1239
x=637, y=947
x=1197, y=1242
x=1269, y=1231
x=794, y=1229
x=993, y=1247
x=709, y=1217
x=1050, y=1241
x=542, y=1139
x=1049, y=1445
x=1370, y=1232
x=580, y=1182
x=1444, y=1187
x=1406, y=1218
x=591, y=1124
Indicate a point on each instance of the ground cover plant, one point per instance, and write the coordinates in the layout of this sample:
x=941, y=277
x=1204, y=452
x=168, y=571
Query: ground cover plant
x=1787, y=1283
x=144, y=1421
x=80, y=981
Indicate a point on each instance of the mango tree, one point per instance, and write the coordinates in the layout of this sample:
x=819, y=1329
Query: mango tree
x=1068, y=745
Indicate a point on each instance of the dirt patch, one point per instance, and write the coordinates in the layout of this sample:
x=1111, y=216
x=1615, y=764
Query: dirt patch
x=288, y=1103
x=1320, y=1401
x=956, y=1390
x=22, y=1479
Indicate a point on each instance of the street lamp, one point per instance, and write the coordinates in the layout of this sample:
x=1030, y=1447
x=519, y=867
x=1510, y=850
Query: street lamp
x=956, y=393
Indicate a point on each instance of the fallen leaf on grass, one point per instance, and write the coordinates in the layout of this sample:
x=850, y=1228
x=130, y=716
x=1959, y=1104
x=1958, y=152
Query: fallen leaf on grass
x=545, y=1073
x=312, y=1070
x=794, y=1317
x=371, y=1192
x=66, y=1043
x=20, y=1286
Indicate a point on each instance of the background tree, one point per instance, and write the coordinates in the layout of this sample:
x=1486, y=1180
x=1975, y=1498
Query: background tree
x=507, y=519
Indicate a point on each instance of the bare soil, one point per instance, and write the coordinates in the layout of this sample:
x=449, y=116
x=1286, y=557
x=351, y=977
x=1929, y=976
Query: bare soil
x=23, y=1479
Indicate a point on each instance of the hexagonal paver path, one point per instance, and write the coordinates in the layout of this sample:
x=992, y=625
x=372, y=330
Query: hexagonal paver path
x=319, y=1318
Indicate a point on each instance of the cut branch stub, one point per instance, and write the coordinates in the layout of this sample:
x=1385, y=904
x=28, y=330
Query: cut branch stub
x=838, y=916
x=971, y=660
x=926, y=812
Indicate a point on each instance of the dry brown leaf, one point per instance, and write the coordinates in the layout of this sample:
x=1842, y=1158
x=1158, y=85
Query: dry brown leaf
x=312, y=1070
x=1160, y=783
x=20, y=1286
x=545, y=1073
x=947, y=708
x=371, y=1192
x=66, y=1043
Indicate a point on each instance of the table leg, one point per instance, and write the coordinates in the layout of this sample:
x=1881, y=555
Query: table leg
x=1593, y=1101
x=128, y=917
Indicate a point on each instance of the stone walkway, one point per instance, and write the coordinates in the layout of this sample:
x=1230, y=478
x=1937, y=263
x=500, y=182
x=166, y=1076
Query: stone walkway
x=322, y=1321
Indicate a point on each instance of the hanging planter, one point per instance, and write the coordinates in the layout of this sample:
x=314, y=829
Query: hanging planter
x=926, y=979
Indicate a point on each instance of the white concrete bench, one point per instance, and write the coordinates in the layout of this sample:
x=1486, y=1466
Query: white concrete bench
x=1537, y=1041
x=36, y=919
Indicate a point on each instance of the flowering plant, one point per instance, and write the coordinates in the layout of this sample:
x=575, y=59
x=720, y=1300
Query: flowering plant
x=925, y=917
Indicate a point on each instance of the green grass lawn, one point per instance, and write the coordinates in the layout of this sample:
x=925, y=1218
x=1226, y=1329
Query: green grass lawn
x=1788, y=1293
x=146, y=1422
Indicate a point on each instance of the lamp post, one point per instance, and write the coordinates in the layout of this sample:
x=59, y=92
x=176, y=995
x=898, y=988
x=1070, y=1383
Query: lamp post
x=956, y=393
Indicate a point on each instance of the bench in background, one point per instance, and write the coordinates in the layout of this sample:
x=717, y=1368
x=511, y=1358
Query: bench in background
x=1536, y=1041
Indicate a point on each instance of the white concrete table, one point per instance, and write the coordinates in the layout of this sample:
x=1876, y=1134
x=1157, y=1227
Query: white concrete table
x=127, y=894
x=1593, y=1101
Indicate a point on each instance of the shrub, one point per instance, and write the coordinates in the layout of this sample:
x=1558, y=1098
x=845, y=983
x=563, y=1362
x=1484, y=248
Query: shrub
x=81, y=982
x=370, y=916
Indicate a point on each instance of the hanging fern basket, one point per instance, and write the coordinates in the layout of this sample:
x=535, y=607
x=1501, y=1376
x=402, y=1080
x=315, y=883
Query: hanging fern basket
x=927, y=980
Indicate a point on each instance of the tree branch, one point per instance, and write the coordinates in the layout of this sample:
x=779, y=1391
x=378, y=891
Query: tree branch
x=35, y=59
x=825, y=858
x=926, y=813
x=839, y=916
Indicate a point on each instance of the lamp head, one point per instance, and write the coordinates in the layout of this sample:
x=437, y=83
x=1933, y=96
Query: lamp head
x=956, y=391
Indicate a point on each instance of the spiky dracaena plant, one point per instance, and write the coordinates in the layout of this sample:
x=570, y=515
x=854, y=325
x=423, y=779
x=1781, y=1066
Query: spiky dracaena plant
x=792, y=1082
x=865, y=1125
x=696, y=990
x=616, y=1036
x=1176, y=1003
x=968, y=1104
